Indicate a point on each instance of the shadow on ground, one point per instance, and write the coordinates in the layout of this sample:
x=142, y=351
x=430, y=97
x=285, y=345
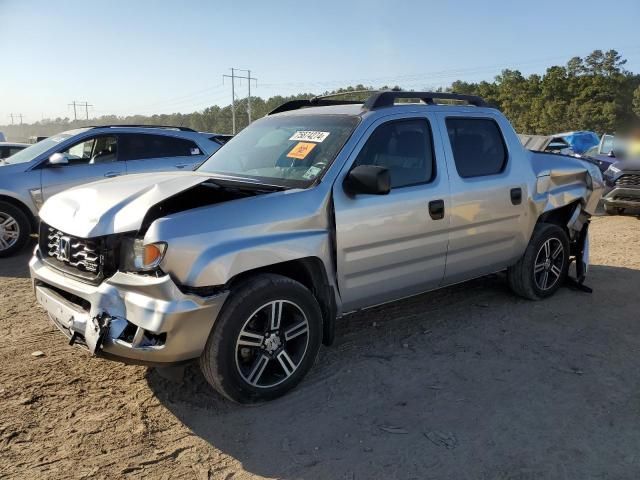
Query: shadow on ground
x=17, y=266
x=466, y=382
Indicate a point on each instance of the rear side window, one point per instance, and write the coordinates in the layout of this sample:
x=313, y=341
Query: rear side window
x=404, y=147
x=477, y=145
x=141, y=146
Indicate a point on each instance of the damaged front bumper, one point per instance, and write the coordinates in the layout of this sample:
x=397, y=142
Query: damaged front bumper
x=129, y=317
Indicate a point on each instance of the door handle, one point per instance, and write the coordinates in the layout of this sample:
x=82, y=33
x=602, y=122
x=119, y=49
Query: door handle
x=436, y=209
x=516, y=196
x=182, y=165
x=112, y=174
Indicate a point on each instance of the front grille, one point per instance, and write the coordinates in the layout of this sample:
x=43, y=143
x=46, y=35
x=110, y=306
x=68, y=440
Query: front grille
x=89, y=259
x=628, y=180
x=76, y=252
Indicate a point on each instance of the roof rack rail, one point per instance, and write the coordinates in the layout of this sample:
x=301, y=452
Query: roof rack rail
x=379, y=99
x=388, y=98
x=167, y=127
x=312, y=102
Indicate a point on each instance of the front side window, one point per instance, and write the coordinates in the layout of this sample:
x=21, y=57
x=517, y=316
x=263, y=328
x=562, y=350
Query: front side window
x=404, y=148
x=142, y=146
x=289, y=150
x=477, y=145
x=92, y=151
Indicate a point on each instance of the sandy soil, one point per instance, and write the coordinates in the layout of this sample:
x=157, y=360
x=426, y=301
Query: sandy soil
x=468, y=382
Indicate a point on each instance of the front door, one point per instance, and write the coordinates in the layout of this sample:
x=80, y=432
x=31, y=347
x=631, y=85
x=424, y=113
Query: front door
x=91, y=159
x=391, y=246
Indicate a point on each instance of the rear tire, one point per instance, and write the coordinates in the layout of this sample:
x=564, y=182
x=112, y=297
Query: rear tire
x=264, y=341
x=15, y=229
x=543, y=267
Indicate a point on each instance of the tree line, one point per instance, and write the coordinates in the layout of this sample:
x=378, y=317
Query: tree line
x=591, y=93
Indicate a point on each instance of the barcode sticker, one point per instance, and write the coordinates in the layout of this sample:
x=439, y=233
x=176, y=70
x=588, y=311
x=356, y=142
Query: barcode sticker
x=309, y=136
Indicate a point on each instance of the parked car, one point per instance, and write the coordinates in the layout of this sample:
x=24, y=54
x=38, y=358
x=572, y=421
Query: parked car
x=319, y=209
x=579, y=141
x=37, y=138
x=84, y=155
x=10, y=148
x=622, y=178
x=603, y=153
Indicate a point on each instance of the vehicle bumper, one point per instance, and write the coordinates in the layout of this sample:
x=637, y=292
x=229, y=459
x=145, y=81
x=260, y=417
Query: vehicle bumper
x=129, y=317
x=622, y=197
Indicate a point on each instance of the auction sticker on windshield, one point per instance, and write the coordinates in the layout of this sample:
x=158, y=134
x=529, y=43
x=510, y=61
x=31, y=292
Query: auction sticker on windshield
x=310, y=136
x=301, y=150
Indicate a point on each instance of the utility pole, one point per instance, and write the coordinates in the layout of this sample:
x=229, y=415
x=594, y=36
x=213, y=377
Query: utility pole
x=75, y=114
x=233, y=98
x=233, y=77
x=86, y=108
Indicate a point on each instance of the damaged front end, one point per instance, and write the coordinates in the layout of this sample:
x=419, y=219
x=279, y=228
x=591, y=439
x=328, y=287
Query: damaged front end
x=130, y=317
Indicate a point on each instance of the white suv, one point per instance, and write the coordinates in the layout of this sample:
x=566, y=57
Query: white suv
x=84, y=155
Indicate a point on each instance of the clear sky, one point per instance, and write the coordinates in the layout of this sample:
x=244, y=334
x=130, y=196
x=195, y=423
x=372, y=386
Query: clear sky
x=143, y=56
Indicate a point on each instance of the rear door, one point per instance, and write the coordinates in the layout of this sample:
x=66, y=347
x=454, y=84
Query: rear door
x=488, y=196
x=93, y=158
x=390, y=246
x=146, y=152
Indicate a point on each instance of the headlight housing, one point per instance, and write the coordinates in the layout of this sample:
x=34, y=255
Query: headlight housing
x=136, y=256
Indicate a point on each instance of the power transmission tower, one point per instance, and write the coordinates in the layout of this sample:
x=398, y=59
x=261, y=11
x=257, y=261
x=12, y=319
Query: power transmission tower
x=84, y=104
x=15, y=115
x=233, y=77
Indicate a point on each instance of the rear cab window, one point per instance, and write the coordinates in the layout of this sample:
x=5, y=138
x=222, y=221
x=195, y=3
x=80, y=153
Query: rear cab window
x=478, y=146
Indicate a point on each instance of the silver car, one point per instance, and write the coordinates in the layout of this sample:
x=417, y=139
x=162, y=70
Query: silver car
x=71, y=158
x=319, y=209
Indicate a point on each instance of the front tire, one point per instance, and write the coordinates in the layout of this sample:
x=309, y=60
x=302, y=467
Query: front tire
x=265, y=340
x=543, y=267
x=14, y=229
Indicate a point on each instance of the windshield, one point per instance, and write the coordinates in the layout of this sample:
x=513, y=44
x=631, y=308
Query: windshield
x=285, y=150
x=36, y=149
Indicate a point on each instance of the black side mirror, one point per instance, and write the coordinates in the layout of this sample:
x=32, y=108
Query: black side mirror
x=369, y=179
x=611, y=154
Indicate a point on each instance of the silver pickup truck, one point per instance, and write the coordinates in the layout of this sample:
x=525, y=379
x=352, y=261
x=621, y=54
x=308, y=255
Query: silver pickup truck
x=322, y=208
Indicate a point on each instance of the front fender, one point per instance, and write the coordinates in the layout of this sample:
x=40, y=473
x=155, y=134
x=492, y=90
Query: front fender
x=218, y=263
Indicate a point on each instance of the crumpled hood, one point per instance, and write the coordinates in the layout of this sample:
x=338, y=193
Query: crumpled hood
x=113, y=206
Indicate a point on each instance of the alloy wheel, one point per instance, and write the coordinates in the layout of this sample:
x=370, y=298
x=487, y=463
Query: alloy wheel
x=9, y=231
x=272, y=344
x=549, y=263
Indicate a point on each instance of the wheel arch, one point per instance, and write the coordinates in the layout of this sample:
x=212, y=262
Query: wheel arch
x=560, y=216
x=310, y=272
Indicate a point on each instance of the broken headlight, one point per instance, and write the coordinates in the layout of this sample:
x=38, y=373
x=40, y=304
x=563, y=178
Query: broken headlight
x=136, y=256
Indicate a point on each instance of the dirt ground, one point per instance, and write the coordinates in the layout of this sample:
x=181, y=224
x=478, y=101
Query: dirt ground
x=465, y=383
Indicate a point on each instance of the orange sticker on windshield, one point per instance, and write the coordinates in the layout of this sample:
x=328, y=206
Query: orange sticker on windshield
x=301, y=150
